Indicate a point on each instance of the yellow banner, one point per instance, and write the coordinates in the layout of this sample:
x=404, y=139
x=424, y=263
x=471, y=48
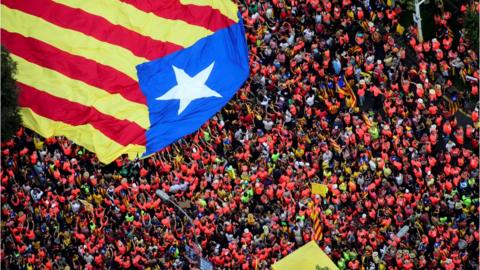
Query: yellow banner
x=319, y=189
x=308, y=257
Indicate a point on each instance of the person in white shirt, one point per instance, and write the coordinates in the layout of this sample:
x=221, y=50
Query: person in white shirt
x=310, y=100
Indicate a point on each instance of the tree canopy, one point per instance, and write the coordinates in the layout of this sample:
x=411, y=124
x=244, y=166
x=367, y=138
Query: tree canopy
x=472, y=28
x=11, y=120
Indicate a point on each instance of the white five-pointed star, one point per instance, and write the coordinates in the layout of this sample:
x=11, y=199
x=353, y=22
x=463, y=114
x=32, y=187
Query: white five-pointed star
x=189, y=88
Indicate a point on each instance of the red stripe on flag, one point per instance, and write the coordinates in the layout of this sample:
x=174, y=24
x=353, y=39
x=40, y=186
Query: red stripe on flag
x=122, y=131
x=95, y=26
x=204, y=16
x=317, y=227
x=75, y=67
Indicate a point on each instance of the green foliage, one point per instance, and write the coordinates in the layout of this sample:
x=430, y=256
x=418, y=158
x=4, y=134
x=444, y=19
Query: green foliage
x=409, y=4
x=11, y=120
x=472, y=28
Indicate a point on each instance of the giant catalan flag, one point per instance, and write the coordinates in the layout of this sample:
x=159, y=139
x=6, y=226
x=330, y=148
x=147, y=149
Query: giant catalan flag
x=123, y=76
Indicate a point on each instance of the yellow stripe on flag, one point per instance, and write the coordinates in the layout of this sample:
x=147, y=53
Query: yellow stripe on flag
x=85, y=135
x=318, y=235
x=71, y=41
x=147, y=24
x=226, y=7
x=317, y=227
x=57, y=84
x=315, y=216
x=366, y=120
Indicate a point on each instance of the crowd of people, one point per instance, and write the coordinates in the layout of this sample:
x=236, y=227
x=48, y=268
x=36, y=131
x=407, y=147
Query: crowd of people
x=340, y=94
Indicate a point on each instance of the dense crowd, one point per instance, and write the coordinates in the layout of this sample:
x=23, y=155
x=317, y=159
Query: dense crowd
x=393, y=155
